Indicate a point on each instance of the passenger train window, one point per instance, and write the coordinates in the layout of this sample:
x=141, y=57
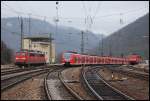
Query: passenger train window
x=34, y=45
x=32, y=54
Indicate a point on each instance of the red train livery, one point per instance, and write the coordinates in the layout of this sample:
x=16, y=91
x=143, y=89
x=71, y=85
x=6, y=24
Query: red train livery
x=134, y=59
x=72, y=58
x=26, y=57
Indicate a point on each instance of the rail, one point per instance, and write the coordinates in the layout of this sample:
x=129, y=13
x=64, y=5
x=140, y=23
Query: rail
x=46, y=87
x=8, y=82
x=100, y=88
x=46, y=84
x=69, y=89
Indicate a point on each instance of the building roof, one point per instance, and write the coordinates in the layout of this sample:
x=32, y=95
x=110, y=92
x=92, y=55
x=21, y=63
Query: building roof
x=46, y=43
x=37, y=37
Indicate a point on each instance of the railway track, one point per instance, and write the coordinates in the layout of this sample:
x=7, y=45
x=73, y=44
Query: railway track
x=65, y=95
x=7, y=71
x=69, y=89
x=100, y=88
x=46, y=84
x=3, y=69
x=8, y=67
x=8, y=81
x=13, y=76
x=146, y=70
x=10, y=71
x=132, y=72
x=14, y=81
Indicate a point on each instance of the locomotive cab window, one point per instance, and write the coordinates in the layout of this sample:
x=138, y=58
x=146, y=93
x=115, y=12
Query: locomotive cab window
x=41, y=55
x=21, y=54
x=18, y=53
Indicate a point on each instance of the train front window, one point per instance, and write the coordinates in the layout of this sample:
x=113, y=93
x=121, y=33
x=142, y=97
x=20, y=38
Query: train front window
x=67, y=55
x=20, y=54
x=17, y=53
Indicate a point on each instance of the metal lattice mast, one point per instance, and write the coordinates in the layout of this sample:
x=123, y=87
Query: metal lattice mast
x=21, y=46
x=82, y=42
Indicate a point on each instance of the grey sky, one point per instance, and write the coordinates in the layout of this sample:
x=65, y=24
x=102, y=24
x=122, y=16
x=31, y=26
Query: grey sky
x=73, y=13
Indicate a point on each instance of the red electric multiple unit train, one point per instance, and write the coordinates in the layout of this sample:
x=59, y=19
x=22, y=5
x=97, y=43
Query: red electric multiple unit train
x=72, y=58
x=134, y=59
x=26, y=57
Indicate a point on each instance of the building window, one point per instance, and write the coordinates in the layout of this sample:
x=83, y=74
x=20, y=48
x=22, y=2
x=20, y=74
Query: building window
x=34, y=45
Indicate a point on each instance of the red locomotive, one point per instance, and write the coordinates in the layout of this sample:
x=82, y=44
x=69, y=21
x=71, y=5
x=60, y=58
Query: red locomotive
x=72, y=58
x=26, y=57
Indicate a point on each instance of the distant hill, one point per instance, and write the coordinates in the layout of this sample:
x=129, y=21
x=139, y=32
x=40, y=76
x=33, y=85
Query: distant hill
x=133, y=38
x=67, y=38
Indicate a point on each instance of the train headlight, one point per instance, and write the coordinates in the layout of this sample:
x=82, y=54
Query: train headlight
x=20, y=58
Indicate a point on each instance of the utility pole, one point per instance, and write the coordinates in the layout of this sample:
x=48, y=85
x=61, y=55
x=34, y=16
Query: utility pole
x=56, y=20
x=50, y=48
x=99, y=47
x=102, y=46
x=110, y=53
x=122, y=55
x=29, y=30
x=82, y=46
x=44, y=18
x=82, y=42
x=121, y=23
x=29, y=40
x=29, y=24
x=21, y=45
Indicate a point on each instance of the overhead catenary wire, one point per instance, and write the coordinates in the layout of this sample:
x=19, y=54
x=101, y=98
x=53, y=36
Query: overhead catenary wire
x=18, y=12
x=62, y=18
x=94, y=17
x=96, y=12
x=13, y=10
x=118, y=13
x=88, y=18
x=85, y=10
x=77, y=18
x=88, y=21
